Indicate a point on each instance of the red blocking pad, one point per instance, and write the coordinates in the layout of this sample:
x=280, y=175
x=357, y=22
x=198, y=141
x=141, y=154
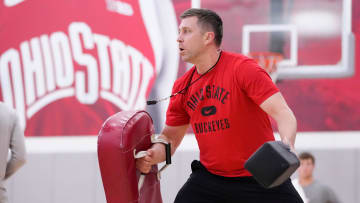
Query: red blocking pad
x=119, y=136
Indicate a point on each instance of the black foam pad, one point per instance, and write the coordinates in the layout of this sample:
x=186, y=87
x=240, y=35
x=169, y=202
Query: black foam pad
x=272, y=164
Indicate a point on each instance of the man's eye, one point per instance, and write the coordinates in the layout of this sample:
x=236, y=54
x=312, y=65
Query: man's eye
x=183, y=31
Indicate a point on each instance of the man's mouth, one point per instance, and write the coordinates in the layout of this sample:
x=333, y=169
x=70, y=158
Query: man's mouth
x=181, y=49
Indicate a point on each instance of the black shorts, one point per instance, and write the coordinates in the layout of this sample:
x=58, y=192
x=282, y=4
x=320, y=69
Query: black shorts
x=205, y=187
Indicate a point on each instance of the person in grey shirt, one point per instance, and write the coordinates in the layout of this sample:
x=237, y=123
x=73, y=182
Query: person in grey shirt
x=315, y=191
x=11, y=137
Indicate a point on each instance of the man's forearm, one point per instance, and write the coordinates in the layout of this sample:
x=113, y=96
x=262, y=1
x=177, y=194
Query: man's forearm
x=287, y=126
x=276, y=107
x=159, y=149
x=173, y=141
x=172, y=135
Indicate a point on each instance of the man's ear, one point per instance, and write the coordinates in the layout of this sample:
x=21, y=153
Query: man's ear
x=209, y=37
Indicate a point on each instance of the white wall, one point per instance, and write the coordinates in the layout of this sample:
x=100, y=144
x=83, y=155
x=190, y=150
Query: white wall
x=65, y=169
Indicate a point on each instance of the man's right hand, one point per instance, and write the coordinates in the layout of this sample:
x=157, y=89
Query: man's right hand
x=156, y=153
x=145, y=163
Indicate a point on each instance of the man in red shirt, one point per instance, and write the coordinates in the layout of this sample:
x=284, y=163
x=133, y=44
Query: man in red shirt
x=226, y=98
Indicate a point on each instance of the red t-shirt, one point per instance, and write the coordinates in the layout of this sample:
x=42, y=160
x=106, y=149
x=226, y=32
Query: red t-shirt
x=223, y=109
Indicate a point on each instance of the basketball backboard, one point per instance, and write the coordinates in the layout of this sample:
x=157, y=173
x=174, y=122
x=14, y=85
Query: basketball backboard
x=314, y=37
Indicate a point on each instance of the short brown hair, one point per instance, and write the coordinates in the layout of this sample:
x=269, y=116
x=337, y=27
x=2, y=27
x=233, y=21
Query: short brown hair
x=307, y=155
x=207, y=19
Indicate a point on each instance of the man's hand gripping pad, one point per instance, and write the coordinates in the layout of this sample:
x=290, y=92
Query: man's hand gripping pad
x=120, y=137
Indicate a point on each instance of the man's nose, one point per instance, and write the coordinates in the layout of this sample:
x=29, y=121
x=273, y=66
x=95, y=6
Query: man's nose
x=179, y=39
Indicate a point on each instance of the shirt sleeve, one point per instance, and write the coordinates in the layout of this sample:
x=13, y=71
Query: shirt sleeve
x=255, y=81
x=176, y=114
x=332, y=198
x=17, y=148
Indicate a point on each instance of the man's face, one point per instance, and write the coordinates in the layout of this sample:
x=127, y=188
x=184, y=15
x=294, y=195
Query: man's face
x=306, y=168
x=191, y=39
